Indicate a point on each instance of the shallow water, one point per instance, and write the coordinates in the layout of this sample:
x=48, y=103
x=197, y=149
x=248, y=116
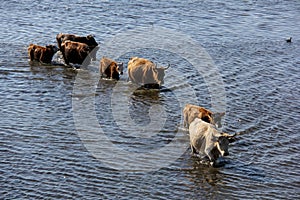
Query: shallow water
x=45, y=155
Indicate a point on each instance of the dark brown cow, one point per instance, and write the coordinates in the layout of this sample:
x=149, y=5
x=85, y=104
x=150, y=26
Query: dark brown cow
x=41, y=54
x=190, y=112
x=89, y=40
x=144, y=72
x=110, y=68
x=74, y=52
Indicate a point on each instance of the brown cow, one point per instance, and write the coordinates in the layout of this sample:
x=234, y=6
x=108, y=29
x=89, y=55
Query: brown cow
x=144, y=72
x=74, y=52
x=41, y=54
x=89, y=40
x=207, y=141
x=110, y=68
x=190, y=112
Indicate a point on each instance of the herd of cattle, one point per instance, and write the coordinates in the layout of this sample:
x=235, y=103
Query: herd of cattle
x=205, y=140
x=82, y=49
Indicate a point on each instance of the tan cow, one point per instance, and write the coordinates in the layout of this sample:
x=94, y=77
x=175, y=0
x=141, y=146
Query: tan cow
x=41, y=54
x=207, y=141
x=190, y=112
x=144, y=72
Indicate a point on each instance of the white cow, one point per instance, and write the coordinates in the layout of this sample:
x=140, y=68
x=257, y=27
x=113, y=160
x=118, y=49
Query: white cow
x=207, y=141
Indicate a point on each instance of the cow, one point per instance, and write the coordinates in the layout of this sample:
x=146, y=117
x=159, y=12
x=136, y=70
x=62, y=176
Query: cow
x=144, y=72
x=207, y=141
x=74, y=52
x=110, y=68
x=190, y=112
x=88, y=40
x=41, y=54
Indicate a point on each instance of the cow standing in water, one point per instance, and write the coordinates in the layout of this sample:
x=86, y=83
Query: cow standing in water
x=88, y=40
x=144, y=72
x=207, y=141
x=41, y=54
x=190, y=112
x=110, y=68
x=74, y=52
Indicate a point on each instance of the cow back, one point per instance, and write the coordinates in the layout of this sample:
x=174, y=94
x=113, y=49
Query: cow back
x=104, y=64
x=74, y=52
x=203, y=136
x=40, y=53
x=190, y=112
x=88, y=40
x=142, y=71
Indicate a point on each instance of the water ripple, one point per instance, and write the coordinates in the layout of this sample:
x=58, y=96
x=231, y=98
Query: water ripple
x=43, y=157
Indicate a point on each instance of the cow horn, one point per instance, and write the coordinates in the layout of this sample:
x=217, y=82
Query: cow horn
x=231, y=138
x=167, y=67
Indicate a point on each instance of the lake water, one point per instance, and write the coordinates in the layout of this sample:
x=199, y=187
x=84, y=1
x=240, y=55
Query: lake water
x=53, y=118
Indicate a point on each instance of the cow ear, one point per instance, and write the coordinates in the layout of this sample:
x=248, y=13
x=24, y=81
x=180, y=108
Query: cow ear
x=225, y=134
x=89, y=36
x=231, y=138
x=50, y=47
x=217, y=114
x=222, y=114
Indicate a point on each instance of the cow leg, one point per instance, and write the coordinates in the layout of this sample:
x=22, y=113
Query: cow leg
x=67, y=62
x=41, y=57
x=64, y=56
x=31, y=55
x=185, y=124
x=193, y=149
x=209, y=155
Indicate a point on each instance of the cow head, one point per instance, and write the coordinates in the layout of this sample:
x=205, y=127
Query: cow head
x=91, y=41
x=52, y=48
x=217, y=118
x=222, y=145
x=120, y=67
x=161, y=74
x=220, y=149
x=231, y=138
